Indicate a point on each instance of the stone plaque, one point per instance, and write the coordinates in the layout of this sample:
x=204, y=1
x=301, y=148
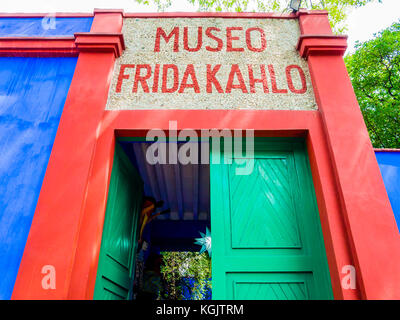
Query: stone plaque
x=211, y=63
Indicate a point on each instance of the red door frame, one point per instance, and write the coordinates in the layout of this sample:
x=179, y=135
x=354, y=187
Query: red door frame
x=67, y=225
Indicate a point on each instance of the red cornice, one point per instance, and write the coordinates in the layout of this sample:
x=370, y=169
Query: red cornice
x=37, y=46
x=303, y=12
x=96, y=11
x=100, y=42
x=386, y=150
x=321, y=45
x=62, y=46
x=41, y=15
x=227, y=15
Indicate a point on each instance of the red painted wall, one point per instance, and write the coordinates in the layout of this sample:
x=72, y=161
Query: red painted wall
x=358, y=225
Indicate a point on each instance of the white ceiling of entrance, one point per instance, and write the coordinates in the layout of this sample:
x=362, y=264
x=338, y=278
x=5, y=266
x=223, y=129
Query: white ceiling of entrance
x=185, y=189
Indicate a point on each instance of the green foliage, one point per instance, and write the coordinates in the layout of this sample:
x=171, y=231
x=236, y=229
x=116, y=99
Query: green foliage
x=178, y=265
x=338, y=9
x=161, y=4
x=374, y=70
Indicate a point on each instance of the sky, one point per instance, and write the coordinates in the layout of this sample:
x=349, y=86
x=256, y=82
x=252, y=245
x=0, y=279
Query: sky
x=374, y=17
x=362, y=22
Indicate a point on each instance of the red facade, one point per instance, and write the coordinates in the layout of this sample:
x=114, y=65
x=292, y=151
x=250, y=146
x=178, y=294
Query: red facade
x=67, y=226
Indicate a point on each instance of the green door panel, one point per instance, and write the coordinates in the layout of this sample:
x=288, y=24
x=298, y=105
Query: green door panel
x=268, y=286
x=266, y=234
x=118, y=245
x=267, y=189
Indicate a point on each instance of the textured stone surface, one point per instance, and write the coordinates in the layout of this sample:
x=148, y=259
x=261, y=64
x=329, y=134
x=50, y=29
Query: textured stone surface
x=281, y=35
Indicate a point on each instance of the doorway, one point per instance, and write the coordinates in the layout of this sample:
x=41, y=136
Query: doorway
x=266, y=234
x=132, y=247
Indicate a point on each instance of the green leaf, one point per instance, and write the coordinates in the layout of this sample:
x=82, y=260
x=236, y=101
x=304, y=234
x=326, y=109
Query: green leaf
x=374, y=70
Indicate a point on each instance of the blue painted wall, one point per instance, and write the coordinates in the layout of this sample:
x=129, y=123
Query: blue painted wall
x=32, y=96
x=389, y=163
x=26, y=27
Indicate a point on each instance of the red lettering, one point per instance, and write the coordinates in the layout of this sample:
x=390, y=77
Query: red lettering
x=122, y=76
x=229, y=86
x=155, y=78
x=161, y=33
x=290, y=80
x=230, y=38
x=189, y=72
x=174, y=68
x=253, y=80
x=211, y=80
x=199, y=39
x=142, y=79
x=262, y=38
x=273, y=81
x=213, y=37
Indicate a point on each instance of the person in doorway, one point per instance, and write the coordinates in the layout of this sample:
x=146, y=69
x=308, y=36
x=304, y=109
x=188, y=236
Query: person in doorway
x=148, y=214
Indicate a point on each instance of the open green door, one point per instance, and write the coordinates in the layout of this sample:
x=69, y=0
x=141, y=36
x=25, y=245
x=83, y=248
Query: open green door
x=118, y=246
x=266, y=234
